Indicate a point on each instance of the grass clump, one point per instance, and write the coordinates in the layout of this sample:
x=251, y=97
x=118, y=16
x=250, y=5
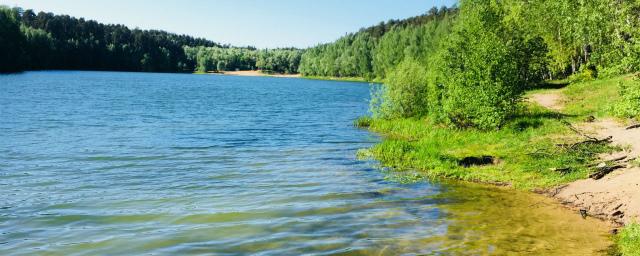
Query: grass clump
x=363, y=122
x=629, y=240
x=525, y=150
x=404, y=93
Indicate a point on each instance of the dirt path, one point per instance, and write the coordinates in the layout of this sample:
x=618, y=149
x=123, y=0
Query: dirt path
x=615, y=197
x=552, y=100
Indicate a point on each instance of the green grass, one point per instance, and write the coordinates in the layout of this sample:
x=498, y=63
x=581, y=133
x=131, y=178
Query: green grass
x=594, y=97
x=629, y=240
x=525, y=148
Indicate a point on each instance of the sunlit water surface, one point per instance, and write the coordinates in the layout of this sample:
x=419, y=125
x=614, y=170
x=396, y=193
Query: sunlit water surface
x=169, y=164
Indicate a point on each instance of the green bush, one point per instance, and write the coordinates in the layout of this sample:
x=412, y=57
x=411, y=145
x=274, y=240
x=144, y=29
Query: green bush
x=485, y=67
x=404, y=94
x=629, y=104
x=586, y=73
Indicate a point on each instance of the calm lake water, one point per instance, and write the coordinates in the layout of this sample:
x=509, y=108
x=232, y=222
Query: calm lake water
x=170, y=164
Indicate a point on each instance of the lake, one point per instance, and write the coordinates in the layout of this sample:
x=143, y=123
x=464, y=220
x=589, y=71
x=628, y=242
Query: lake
x=173, y=164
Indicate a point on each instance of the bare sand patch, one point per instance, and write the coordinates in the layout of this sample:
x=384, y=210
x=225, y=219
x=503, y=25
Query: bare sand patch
x=551, y=100
x=616, y=196
x=258, y=73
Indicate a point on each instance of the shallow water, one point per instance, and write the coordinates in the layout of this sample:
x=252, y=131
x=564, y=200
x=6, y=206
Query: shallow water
x=130, y=163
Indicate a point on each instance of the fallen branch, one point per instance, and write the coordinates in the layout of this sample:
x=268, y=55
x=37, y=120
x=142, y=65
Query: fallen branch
x=590, y=140
x=577, y=131
x=603, y=171
x=633, y=127
x=617, y=159
x=614, y=160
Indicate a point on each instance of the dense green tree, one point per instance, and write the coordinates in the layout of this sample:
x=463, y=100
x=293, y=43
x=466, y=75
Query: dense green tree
x=484, y=67
x=11, y=41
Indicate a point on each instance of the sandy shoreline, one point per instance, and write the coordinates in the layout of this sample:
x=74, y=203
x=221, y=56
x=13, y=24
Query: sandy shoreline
x=614, y=197
x=258, y=73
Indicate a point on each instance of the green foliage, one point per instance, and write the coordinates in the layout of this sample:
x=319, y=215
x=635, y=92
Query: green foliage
x=225, y=58
x=592, y=98
x=629, y=240
x=480, y=58
x=418, y=43
x=585, y=74
x=39, y=45
x=372, y=52
x=350, y=56
x=406, y=92
x=485, y=68
x=11, y=41
x=629, y=104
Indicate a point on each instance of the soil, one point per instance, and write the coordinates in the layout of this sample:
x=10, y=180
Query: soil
x=615, y=197
x=551, y=100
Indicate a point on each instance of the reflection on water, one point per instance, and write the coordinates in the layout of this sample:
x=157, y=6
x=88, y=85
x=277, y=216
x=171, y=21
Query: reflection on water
x=125, y=163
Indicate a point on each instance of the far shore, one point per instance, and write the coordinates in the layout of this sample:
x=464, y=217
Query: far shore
x=258, y=73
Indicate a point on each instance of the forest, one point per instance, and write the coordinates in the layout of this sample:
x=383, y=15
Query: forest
x=371, y=52
x=469, y=65
x=30, y=41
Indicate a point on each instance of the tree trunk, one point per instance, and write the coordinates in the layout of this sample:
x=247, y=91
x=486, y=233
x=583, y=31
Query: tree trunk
x=587, y=51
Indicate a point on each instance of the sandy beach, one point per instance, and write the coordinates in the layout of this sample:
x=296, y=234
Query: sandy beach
x=258, y=73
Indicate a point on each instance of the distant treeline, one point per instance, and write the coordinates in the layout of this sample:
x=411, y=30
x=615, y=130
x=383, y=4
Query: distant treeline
x=30, y=41
x=222, y=59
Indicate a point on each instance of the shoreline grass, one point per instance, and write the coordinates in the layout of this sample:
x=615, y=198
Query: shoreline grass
x=525, y=150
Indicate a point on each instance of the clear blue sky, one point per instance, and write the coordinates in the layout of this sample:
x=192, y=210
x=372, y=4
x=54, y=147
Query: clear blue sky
x=261, y=23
